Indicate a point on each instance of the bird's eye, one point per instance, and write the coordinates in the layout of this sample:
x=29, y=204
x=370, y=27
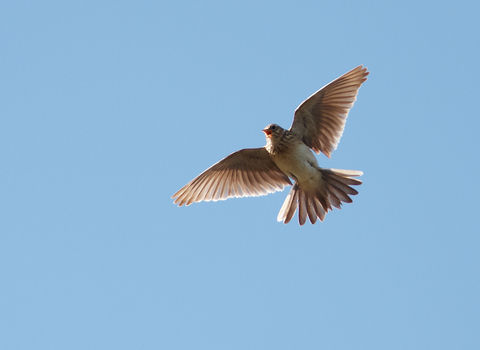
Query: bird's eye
x=273, y=127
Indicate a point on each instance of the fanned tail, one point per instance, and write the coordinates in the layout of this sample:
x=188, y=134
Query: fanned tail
x=331, y=192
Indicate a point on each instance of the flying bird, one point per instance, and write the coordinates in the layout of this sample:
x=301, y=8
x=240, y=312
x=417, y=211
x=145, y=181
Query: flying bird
x=318, y=125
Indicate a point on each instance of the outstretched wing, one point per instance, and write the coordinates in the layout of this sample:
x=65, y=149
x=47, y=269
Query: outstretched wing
x=245, y=173
x=321, y=118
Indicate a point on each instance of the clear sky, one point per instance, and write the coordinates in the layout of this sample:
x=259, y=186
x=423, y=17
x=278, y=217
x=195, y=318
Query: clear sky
x=109, y=107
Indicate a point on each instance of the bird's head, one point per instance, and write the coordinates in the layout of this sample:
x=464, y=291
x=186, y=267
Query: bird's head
x=272, y=130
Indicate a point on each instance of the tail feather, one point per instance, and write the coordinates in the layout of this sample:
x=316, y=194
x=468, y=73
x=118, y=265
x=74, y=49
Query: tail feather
x=289, y=206
x=334, y=200
x=319, y=210
x=332, y=191
x=302, y=207
x=340, y=186
x=338, y=193
x=312, y=215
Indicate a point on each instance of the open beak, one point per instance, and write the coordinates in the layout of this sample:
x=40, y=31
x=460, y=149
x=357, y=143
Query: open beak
x=267, y=132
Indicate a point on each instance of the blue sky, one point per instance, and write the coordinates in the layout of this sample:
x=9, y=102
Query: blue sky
x=108, y=108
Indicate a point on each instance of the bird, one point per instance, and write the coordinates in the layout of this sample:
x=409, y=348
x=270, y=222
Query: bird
x=288, y=159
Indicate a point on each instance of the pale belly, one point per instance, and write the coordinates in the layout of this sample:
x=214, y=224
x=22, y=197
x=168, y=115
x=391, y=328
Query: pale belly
x=299, y=163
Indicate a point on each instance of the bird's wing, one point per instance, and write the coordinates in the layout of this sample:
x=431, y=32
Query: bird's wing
x=320, y=119
x=245, y=173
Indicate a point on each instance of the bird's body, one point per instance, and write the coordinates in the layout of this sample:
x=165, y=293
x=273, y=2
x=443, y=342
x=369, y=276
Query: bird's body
x=292, y=155
x=318, y=125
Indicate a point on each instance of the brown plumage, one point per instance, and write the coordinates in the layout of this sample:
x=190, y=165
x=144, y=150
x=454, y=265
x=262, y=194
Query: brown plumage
x=318, y=125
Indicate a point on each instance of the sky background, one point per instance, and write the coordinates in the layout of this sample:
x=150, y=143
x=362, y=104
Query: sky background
x=107, y=108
